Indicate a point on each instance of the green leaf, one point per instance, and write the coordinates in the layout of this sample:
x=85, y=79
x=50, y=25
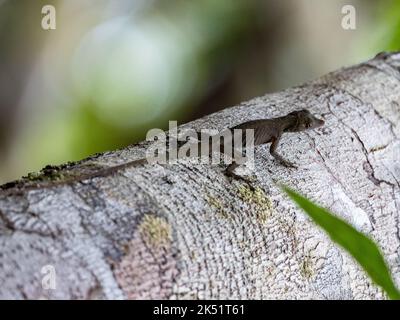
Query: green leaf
x=362, y=248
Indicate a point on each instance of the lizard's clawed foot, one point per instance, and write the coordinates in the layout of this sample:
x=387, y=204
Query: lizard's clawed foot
x=288, y=164
x=250, y=179
x=231, y=173
x=246, y=178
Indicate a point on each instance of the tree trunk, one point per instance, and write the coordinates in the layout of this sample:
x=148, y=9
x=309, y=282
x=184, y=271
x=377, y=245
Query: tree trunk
x=188, y=231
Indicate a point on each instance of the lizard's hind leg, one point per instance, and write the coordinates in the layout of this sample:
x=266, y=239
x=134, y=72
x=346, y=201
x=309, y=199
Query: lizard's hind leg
x=230, y=169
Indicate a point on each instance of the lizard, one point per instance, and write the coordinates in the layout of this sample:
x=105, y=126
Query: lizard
x=265, y=131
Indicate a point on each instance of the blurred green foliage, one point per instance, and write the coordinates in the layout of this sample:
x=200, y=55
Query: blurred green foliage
x=389, y=25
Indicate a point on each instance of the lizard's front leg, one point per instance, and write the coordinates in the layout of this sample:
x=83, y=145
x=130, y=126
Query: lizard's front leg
x=277, y=156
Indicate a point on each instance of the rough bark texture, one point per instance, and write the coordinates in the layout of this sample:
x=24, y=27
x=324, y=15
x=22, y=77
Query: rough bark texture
x=187, y=231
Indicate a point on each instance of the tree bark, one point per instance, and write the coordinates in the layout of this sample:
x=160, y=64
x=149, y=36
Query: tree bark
x=188, y=231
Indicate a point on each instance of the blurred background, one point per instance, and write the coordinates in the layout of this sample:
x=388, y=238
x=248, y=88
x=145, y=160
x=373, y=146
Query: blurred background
x=113, y=69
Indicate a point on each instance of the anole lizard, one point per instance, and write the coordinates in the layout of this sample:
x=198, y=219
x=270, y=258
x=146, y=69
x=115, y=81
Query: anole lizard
x=271, y=130
x=265, y=131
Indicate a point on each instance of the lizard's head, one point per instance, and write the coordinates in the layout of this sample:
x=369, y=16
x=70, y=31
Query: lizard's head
x=305, y=121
